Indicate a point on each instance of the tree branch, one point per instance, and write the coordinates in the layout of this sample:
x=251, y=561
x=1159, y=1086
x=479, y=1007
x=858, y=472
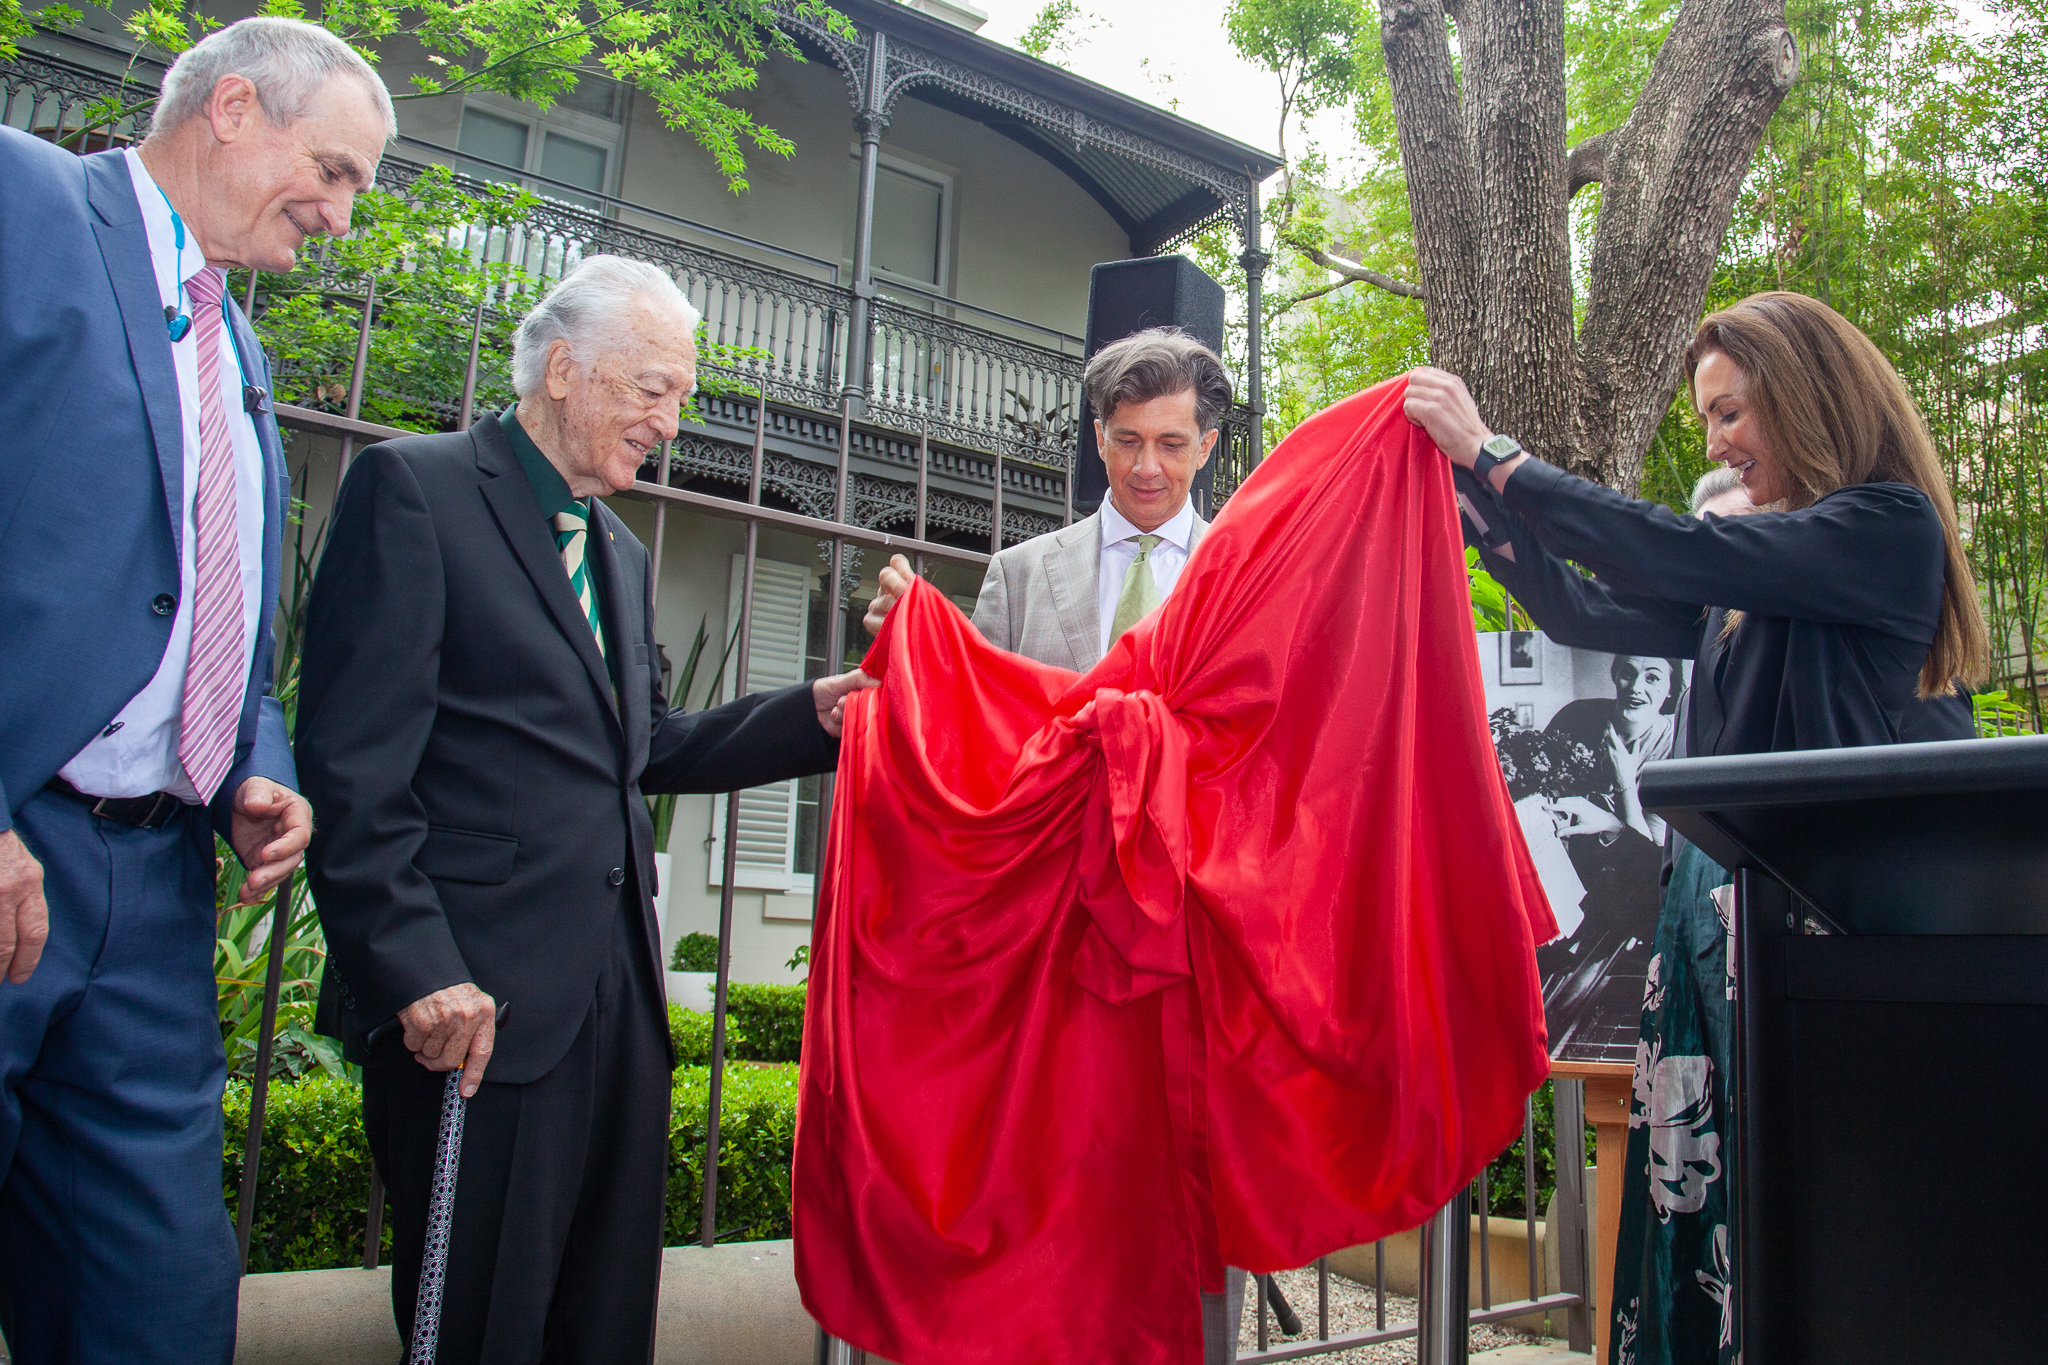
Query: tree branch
x=1587, y=164
x=470, y=79
x=1670, y=178
x=1353, y=271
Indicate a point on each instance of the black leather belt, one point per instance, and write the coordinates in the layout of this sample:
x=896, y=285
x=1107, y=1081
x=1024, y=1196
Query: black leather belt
x=138, y=812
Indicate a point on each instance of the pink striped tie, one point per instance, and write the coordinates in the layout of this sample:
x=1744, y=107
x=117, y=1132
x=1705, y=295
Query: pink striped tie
x=216, y=675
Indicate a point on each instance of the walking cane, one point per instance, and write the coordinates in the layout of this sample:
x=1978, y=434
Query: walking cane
x=426, y=1317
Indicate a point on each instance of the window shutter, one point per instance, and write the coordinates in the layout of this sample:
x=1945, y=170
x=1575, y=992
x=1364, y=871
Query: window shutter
x=767, y=819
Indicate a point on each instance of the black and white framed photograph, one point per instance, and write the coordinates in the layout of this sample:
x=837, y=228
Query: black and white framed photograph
x=1573, y=729
x=1521, y=658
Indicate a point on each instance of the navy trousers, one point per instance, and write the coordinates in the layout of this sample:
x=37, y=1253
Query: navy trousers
x=115, y=1242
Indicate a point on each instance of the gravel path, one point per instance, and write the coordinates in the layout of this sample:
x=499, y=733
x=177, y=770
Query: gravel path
x=1351, y=1310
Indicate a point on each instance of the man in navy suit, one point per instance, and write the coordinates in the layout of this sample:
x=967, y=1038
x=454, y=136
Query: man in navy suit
x=142, y=505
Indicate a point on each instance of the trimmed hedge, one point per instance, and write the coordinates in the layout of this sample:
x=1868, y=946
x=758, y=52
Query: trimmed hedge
x=314, y=1183
x=763, y=1024
x=315, y=1178
x=695, y=953
x=767, y=1022
x=756, y=1134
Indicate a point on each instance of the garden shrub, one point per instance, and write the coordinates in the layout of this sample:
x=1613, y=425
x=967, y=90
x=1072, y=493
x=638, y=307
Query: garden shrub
x=767, y=1022
x=314, y=1180
x=690, y=1031
x=315, y=1176
x=756, y=1132
x=762, y=1024
x=695, y=953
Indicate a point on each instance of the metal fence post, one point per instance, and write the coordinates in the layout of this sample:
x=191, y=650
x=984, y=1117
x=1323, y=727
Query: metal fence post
x=707, y=1221
x=1446, y=1283
x=832, y=1351
x=1574, y=1265
x=995, y=509
x=355, y=379
x=1529, y=1191
x=259, y=1092
x=476, y=341
x=373, y=1220
x=924, y=463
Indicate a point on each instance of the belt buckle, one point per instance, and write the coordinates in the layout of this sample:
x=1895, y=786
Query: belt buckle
x=120, y=810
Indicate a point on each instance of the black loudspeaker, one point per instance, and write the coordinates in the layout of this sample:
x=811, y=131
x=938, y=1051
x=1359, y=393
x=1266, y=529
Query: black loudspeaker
x=1130, y=296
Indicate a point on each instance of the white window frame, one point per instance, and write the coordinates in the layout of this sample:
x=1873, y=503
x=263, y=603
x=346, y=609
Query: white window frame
x=540, y=122
x=776, y=658
x=931, y=174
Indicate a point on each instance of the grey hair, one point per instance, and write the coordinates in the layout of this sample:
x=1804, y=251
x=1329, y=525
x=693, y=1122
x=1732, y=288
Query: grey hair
x=1155, y=363
x=1712, y=485
x=584, y=304
x=287, y=60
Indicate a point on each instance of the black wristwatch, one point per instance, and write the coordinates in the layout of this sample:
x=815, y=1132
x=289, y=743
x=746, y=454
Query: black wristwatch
x=1497, y=450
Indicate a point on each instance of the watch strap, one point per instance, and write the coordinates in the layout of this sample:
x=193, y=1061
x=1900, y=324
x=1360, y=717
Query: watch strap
x=1493, y=452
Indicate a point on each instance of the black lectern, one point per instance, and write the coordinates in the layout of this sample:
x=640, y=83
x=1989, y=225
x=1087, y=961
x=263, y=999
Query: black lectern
x=1891, y=1044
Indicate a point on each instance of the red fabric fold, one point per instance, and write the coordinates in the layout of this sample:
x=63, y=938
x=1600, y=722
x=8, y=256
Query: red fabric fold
x=1220, y=953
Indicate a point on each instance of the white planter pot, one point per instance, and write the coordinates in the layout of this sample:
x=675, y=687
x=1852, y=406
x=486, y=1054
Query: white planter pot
x=661, y=881
x=692, y=990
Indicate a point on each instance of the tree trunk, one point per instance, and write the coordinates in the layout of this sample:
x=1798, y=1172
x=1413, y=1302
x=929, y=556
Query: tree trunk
x=1489, y=183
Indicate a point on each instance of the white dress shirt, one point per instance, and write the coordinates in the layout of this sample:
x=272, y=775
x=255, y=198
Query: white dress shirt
x=1120, y=549
x=137, y=753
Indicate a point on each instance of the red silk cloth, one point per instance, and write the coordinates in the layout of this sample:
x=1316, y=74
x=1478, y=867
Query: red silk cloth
x=1221, y=953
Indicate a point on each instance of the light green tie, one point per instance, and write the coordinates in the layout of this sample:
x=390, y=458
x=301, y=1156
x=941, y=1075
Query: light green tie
x=572, y=533
x=1140, y=594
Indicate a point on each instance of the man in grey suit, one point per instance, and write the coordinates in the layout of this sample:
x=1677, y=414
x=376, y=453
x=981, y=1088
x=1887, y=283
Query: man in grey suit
x=1063, y=597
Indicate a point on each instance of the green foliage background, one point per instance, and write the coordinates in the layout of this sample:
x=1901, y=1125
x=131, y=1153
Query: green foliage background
x=314, y=1180
x=1904, y=181
x=762, y=1024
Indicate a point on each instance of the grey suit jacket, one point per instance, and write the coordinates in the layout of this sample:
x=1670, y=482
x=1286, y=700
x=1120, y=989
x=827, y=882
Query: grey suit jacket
x=1039, y=598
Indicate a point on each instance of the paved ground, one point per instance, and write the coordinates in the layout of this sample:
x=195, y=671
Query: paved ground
x=1550, y=1353
x=737, y=1305
x=1352, y=1310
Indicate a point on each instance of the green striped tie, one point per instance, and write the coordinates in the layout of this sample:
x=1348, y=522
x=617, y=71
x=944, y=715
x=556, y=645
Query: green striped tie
x=572, y=533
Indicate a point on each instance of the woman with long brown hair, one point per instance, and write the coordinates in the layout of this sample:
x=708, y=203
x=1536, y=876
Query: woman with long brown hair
x=1844, y=614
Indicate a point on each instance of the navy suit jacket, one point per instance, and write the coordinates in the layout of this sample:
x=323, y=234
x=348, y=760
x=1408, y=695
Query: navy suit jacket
x=92, y=472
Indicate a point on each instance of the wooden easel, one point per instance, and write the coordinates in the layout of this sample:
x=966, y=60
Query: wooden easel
x=1607, y=1094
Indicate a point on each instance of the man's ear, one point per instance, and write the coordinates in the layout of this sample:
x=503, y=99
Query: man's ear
x=560, y=364
x=232, y=110
x=1208, y=445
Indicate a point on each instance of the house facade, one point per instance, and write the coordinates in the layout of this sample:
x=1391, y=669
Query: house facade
x=910, y=288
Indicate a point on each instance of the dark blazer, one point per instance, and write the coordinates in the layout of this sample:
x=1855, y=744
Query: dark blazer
x=476, y=783
x=92, y=474
x=1843, y=600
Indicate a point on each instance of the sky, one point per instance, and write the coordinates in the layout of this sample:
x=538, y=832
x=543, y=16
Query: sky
x=1165, y=50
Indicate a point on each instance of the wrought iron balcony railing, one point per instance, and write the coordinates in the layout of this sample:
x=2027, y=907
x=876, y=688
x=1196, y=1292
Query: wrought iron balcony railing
x=979, y=389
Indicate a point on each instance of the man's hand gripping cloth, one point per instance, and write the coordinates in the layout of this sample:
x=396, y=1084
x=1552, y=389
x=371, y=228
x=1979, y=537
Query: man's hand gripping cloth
x=1222, y=953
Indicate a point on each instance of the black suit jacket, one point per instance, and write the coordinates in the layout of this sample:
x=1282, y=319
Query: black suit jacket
x=476, y=783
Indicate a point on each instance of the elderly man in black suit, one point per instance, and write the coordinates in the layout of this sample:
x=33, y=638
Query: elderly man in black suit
x=480, y=712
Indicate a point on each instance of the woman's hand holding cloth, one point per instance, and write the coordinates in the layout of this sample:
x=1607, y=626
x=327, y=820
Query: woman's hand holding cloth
x=1222, y=953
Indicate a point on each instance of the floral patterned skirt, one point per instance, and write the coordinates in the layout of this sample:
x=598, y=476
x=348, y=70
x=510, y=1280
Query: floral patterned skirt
x=1674, y=1300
